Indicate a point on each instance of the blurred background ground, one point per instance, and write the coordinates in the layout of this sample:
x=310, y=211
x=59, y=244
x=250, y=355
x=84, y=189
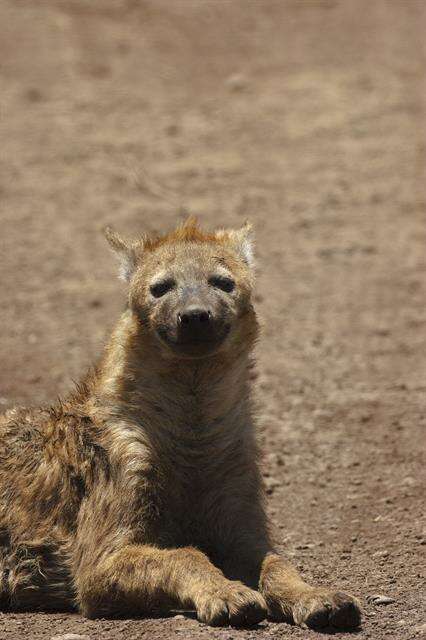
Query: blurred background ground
x=306, y=116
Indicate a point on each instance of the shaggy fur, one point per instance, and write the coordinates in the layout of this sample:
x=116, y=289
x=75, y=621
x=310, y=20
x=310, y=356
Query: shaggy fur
x=141, y=492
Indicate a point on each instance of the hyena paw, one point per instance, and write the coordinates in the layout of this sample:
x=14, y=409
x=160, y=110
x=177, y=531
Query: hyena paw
x=232, y=604
x=326, y=608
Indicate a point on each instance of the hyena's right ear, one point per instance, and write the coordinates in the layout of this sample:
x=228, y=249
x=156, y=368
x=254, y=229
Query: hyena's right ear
x=125, y=253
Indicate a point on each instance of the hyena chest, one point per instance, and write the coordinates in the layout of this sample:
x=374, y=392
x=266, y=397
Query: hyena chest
x=188, y=509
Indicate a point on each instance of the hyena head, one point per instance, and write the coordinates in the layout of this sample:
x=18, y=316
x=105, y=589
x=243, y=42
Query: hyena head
x=191, y=290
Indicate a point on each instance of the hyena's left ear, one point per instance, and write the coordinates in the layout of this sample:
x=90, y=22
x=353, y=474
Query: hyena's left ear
x=242, y=241
x=124, y=251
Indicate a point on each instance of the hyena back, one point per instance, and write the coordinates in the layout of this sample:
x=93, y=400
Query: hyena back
x=141, y=492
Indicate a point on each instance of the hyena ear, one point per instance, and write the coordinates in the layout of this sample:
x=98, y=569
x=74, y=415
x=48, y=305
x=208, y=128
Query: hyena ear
x=125, y=253
x=242, y=241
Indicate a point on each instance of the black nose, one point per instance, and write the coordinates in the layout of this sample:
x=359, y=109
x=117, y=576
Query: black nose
x=194, y=318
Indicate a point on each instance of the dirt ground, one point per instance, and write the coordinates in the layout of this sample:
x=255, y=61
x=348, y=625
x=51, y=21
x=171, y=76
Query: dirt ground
x=305, y=116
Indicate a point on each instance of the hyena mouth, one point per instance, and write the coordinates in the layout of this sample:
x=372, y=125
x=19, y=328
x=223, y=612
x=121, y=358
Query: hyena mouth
x=194, y=344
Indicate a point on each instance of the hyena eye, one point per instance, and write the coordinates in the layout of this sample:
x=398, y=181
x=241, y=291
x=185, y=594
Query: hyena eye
x=223, y=283
x=161, y=288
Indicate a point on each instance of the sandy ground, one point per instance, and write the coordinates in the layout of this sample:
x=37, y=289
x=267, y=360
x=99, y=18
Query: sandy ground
x=306, y=116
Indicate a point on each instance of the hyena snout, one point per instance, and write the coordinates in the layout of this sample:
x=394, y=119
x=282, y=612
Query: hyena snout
x=195, y=320
x=197, y=324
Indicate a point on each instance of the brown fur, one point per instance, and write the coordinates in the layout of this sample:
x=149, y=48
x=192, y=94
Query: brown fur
x=141, y=491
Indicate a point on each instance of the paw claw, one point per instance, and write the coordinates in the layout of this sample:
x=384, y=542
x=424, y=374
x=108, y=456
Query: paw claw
x=346, y=614
x=235, y=605
x=327, y=609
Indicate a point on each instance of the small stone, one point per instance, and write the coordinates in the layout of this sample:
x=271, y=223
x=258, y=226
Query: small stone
x=70, y=636
x=236, y=82
x=379, y=599
x=271, y=484
x=306, y=545
x=380, y=554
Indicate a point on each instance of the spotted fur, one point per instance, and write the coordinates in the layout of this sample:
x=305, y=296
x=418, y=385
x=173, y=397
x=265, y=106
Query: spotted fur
x=141, y=491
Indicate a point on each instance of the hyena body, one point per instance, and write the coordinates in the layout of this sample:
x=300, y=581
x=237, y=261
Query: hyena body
x=141, y=492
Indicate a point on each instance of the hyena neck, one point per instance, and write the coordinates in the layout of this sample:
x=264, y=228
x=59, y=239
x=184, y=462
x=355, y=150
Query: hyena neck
x=188, y=396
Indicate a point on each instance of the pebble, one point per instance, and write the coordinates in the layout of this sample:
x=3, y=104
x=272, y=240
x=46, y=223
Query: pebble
x=70, y=636
x=306, y=545
x=236, y=82
x=380, y=554
x=379, y=599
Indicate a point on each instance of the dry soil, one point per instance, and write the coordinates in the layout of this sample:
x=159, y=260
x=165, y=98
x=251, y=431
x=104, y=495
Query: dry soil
x=306, y=116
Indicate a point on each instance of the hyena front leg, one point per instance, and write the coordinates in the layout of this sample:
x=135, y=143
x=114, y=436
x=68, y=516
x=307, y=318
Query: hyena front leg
x=141, y=580
x=290, y=598
x=249, y=556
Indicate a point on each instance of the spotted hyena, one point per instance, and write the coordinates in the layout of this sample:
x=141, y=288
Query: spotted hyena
x=141, y=492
